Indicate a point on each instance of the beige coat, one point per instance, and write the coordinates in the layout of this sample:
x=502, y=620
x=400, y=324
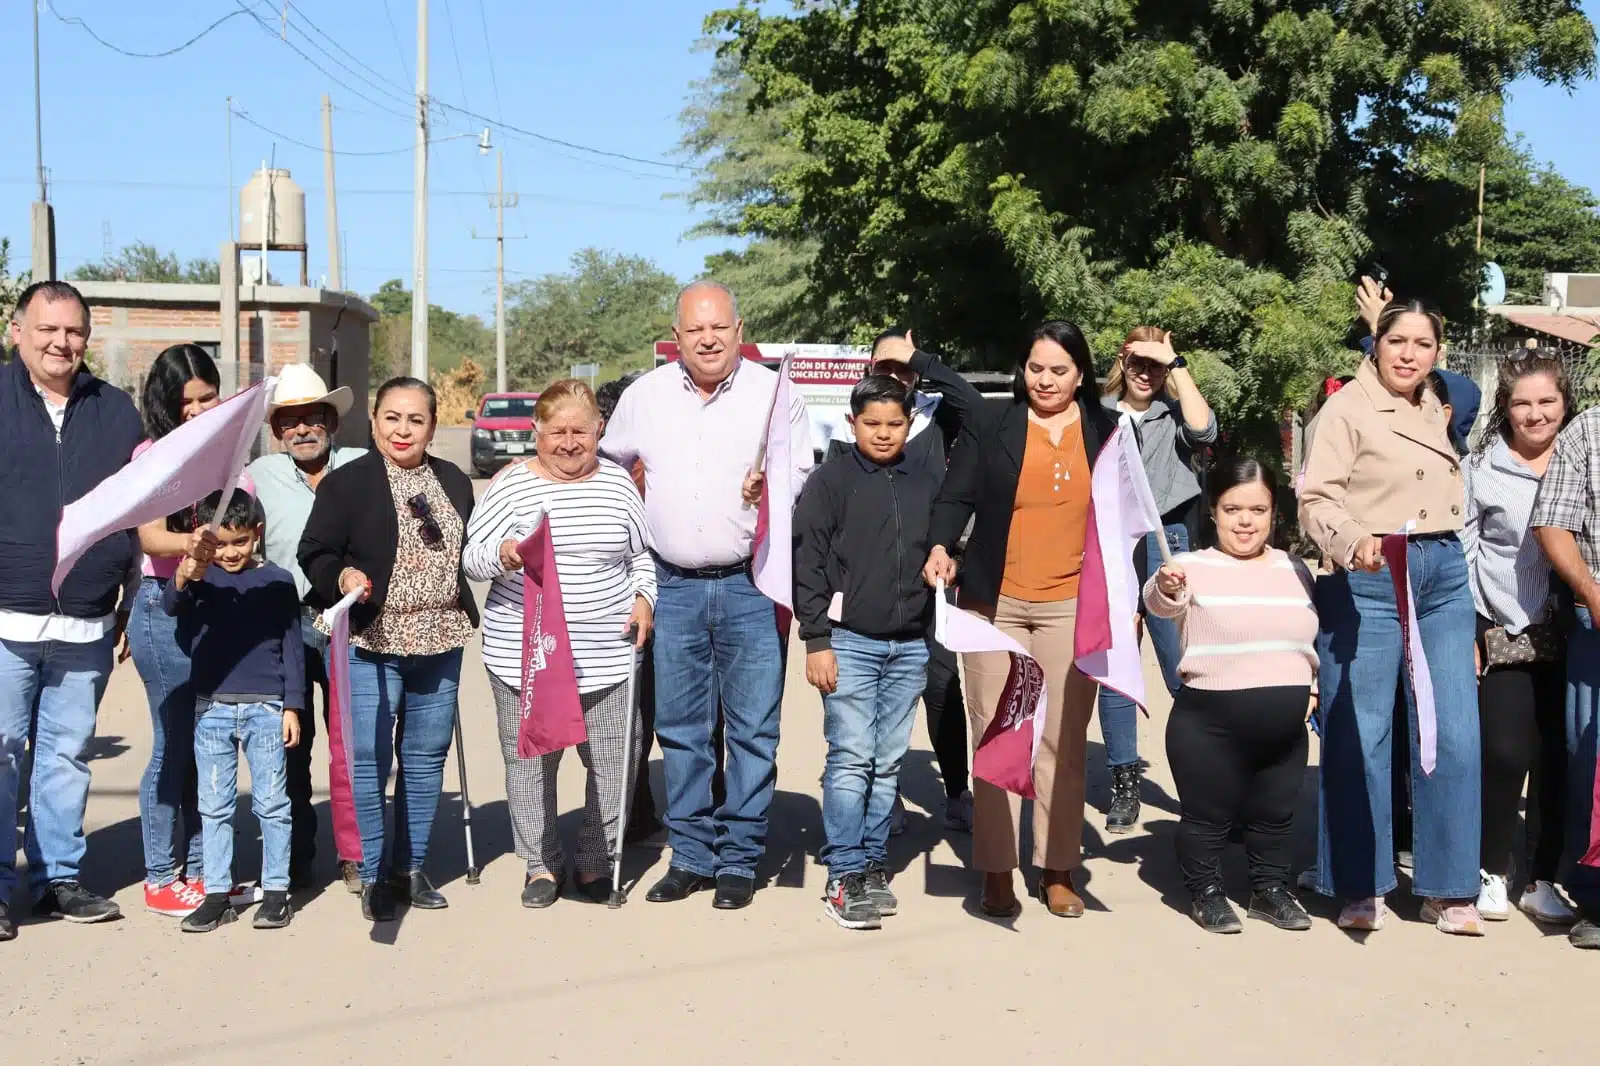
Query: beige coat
x=1375, y=464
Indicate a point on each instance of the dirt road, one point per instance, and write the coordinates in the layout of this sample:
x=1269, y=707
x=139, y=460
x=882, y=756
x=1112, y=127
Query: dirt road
x=487, y=982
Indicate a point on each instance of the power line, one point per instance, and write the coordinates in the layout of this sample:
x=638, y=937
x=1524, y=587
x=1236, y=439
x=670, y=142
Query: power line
x=73, y=20
x=399, y=95
x=394, y=32
x=547, y=139
x=461, y=71
x=404, y=90
x=407, y=150
x=387, y=109
x=488, y=49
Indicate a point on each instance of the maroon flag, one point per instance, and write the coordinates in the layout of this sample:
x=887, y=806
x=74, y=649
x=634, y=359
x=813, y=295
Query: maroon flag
x=1592, y=856
x=341, y=741
x=552, y=716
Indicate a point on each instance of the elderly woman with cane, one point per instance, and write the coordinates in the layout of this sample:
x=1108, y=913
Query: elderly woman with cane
x=608, y=588
x=390, y=525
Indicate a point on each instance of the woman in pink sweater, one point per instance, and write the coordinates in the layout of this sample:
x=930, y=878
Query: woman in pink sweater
x=1236, y=738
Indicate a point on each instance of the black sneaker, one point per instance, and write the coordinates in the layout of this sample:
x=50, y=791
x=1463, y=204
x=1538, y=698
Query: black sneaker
x=1279, y=906
x=1123, y=813
x=848, y=904
x=275, y=911
x=71, y=902
x=1585, y=934
x=215, y=911
x=1212, y=912
x=8, y=928
x=879, y=892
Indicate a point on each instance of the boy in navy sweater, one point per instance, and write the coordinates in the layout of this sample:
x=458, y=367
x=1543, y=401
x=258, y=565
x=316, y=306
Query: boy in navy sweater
x=861, y=531
x=239, y=619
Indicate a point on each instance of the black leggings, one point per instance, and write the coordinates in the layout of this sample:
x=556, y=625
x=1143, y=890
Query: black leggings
x=1522, y=718
x=1237, y=757
x=947, y=717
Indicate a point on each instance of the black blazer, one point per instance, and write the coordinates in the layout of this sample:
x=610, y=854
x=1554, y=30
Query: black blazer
x=981, y=486
x=353, y=523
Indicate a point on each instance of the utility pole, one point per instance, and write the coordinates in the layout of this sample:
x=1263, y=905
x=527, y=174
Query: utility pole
x=335, y=275
x=43, y=215
x=231, y=198
x=264, y=309
x=500, y=201
x=419, y=224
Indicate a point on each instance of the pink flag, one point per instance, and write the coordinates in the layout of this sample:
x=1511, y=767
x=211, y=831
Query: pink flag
x=202, y=456
x=341, y=731
x=773, y=572
x=1122, y=511
x=1008, y=748
x=1395, y=554
x=1592, y=856
x=552, y=715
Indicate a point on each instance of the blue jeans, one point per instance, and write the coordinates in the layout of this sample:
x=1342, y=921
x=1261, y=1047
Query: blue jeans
x=222, y=729
x=168, y=805
x=420, y=692
x=1361, y=653
x=867, y=722
x=1583, y=721
x=1119, y=716
x=717, y=638
x=49, y=692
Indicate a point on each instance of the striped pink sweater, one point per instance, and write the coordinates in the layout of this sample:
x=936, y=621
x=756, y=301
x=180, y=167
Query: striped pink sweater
x=1243, y=624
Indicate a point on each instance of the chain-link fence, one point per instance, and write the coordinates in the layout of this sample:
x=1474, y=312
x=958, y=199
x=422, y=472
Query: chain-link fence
x=1481, y=363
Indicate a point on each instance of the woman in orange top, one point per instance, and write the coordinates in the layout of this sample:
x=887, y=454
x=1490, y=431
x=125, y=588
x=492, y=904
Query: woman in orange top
x=1021, y=476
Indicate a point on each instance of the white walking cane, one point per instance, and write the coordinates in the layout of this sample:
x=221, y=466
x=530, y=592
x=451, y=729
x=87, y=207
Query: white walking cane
x=618, y=895
x=473, y=872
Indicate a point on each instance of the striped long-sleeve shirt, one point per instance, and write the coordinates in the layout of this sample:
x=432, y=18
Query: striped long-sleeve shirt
x=1509, y=574
x=1243, y=624
x=602, y=559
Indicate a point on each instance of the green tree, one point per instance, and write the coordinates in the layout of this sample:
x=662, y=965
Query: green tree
x=1536, y=222
x=144, y=262
x=1219, y=168
x=452, y=337
x=11, y=285
x=607, y=309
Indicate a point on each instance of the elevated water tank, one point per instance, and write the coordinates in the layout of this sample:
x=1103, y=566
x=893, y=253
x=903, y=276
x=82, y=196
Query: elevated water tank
x=286, y=221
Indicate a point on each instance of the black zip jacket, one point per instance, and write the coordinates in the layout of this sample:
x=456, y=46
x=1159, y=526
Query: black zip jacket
x=42, y=473
x=861, y=530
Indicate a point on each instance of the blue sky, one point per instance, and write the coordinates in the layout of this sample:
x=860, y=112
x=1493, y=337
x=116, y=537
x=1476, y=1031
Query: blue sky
x=137, y=148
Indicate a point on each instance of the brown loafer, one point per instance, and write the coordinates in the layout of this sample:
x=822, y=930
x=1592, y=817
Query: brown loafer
x=999, y=898
x=1055, y=892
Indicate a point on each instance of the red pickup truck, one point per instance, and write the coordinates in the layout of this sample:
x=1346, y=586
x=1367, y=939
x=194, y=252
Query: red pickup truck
x=502, y=430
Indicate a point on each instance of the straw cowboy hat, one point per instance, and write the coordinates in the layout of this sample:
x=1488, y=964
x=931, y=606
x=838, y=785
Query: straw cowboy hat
x=300, y=386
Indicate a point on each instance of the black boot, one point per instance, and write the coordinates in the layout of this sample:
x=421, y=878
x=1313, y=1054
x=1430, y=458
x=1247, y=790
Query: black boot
x=377, y=905
x=1123, y=814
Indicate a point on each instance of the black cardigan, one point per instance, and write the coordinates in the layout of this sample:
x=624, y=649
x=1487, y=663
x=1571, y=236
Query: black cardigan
x=982, y=484
x=353, y=524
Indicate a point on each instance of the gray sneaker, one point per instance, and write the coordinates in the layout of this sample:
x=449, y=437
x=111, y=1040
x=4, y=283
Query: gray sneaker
x=1586, y=934
x=879, y=892
x=848, y=904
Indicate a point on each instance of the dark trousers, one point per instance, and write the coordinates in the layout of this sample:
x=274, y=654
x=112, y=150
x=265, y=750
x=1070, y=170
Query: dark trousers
x=1400, y=771
x=947, y=717
x=1522, y=717
x=1237, y=757
x=297, y=763
x=642, y=810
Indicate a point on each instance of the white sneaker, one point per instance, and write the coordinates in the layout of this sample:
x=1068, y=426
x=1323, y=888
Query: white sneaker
x=958, y=813
x=245, y=895
x=897, y=817
x=1493, y=904
x=1542, y=902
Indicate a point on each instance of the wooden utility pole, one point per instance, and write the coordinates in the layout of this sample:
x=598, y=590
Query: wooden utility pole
x=335, y=273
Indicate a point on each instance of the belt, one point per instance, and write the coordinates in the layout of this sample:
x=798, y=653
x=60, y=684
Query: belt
x=706, y=573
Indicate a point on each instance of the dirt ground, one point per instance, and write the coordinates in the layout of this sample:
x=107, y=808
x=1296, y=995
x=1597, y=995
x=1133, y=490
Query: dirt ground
x=1131, y=982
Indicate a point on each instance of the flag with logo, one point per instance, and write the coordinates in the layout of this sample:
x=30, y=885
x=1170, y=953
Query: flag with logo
x=1416, y=662
x=1122, y=512
x=341, y=731
x=773, y=569
x=1006, y=752
x=202, y=456
x=551, y=713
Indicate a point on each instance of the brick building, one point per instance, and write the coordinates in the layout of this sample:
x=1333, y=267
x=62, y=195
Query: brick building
x=133, y=321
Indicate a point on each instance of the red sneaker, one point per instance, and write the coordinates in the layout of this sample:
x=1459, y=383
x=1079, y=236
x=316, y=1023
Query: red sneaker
x=177, y=899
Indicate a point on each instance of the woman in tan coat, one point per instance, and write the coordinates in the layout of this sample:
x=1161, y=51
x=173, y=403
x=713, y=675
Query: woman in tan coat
x=1382, y=463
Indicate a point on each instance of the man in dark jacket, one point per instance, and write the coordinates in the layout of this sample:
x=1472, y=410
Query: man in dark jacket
x=62, y=431
x=942, y=402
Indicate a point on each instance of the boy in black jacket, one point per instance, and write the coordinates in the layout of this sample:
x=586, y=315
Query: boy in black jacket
x=861, y=535
x=239, y=619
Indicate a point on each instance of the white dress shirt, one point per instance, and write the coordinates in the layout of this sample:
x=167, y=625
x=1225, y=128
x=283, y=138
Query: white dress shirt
x=697, y=452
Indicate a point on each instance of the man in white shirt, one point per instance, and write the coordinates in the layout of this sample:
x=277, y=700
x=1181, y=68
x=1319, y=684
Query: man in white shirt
x=697, y=425
x=62, y=431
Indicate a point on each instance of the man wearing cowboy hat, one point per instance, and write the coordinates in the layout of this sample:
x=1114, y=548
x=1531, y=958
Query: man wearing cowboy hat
x=304, y=417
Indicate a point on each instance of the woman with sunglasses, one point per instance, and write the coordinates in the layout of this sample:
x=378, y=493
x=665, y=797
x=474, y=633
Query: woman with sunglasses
x=1149, y=389
x=391, y=525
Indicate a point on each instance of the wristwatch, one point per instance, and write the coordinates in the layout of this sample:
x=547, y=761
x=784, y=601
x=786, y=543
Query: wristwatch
x=1179, y=363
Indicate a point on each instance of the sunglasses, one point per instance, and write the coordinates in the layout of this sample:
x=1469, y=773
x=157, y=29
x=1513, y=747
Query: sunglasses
x=432, y=535
x=1145, y=368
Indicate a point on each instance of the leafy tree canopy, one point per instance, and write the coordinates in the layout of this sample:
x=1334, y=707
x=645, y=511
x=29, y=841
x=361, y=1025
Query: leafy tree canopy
x=1217, y=167
x=144, y=262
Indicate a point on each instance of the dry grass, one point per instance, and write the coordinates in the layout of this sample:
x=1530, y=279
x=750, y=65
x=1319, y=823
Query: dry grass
x=459, y=392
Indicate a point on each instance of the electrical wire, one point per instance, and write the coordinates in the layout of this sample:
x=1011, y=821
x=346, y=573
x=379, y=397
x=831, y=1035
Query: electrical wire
x=407, y=150
x=394, y=32
x=73, y=20
x=384, y=107
x=405, y=90
x=488, y=49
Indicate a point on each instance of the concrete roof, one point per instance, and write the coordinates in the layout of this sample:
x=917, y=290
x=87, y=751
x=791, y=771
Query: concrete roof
x=166, y=294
